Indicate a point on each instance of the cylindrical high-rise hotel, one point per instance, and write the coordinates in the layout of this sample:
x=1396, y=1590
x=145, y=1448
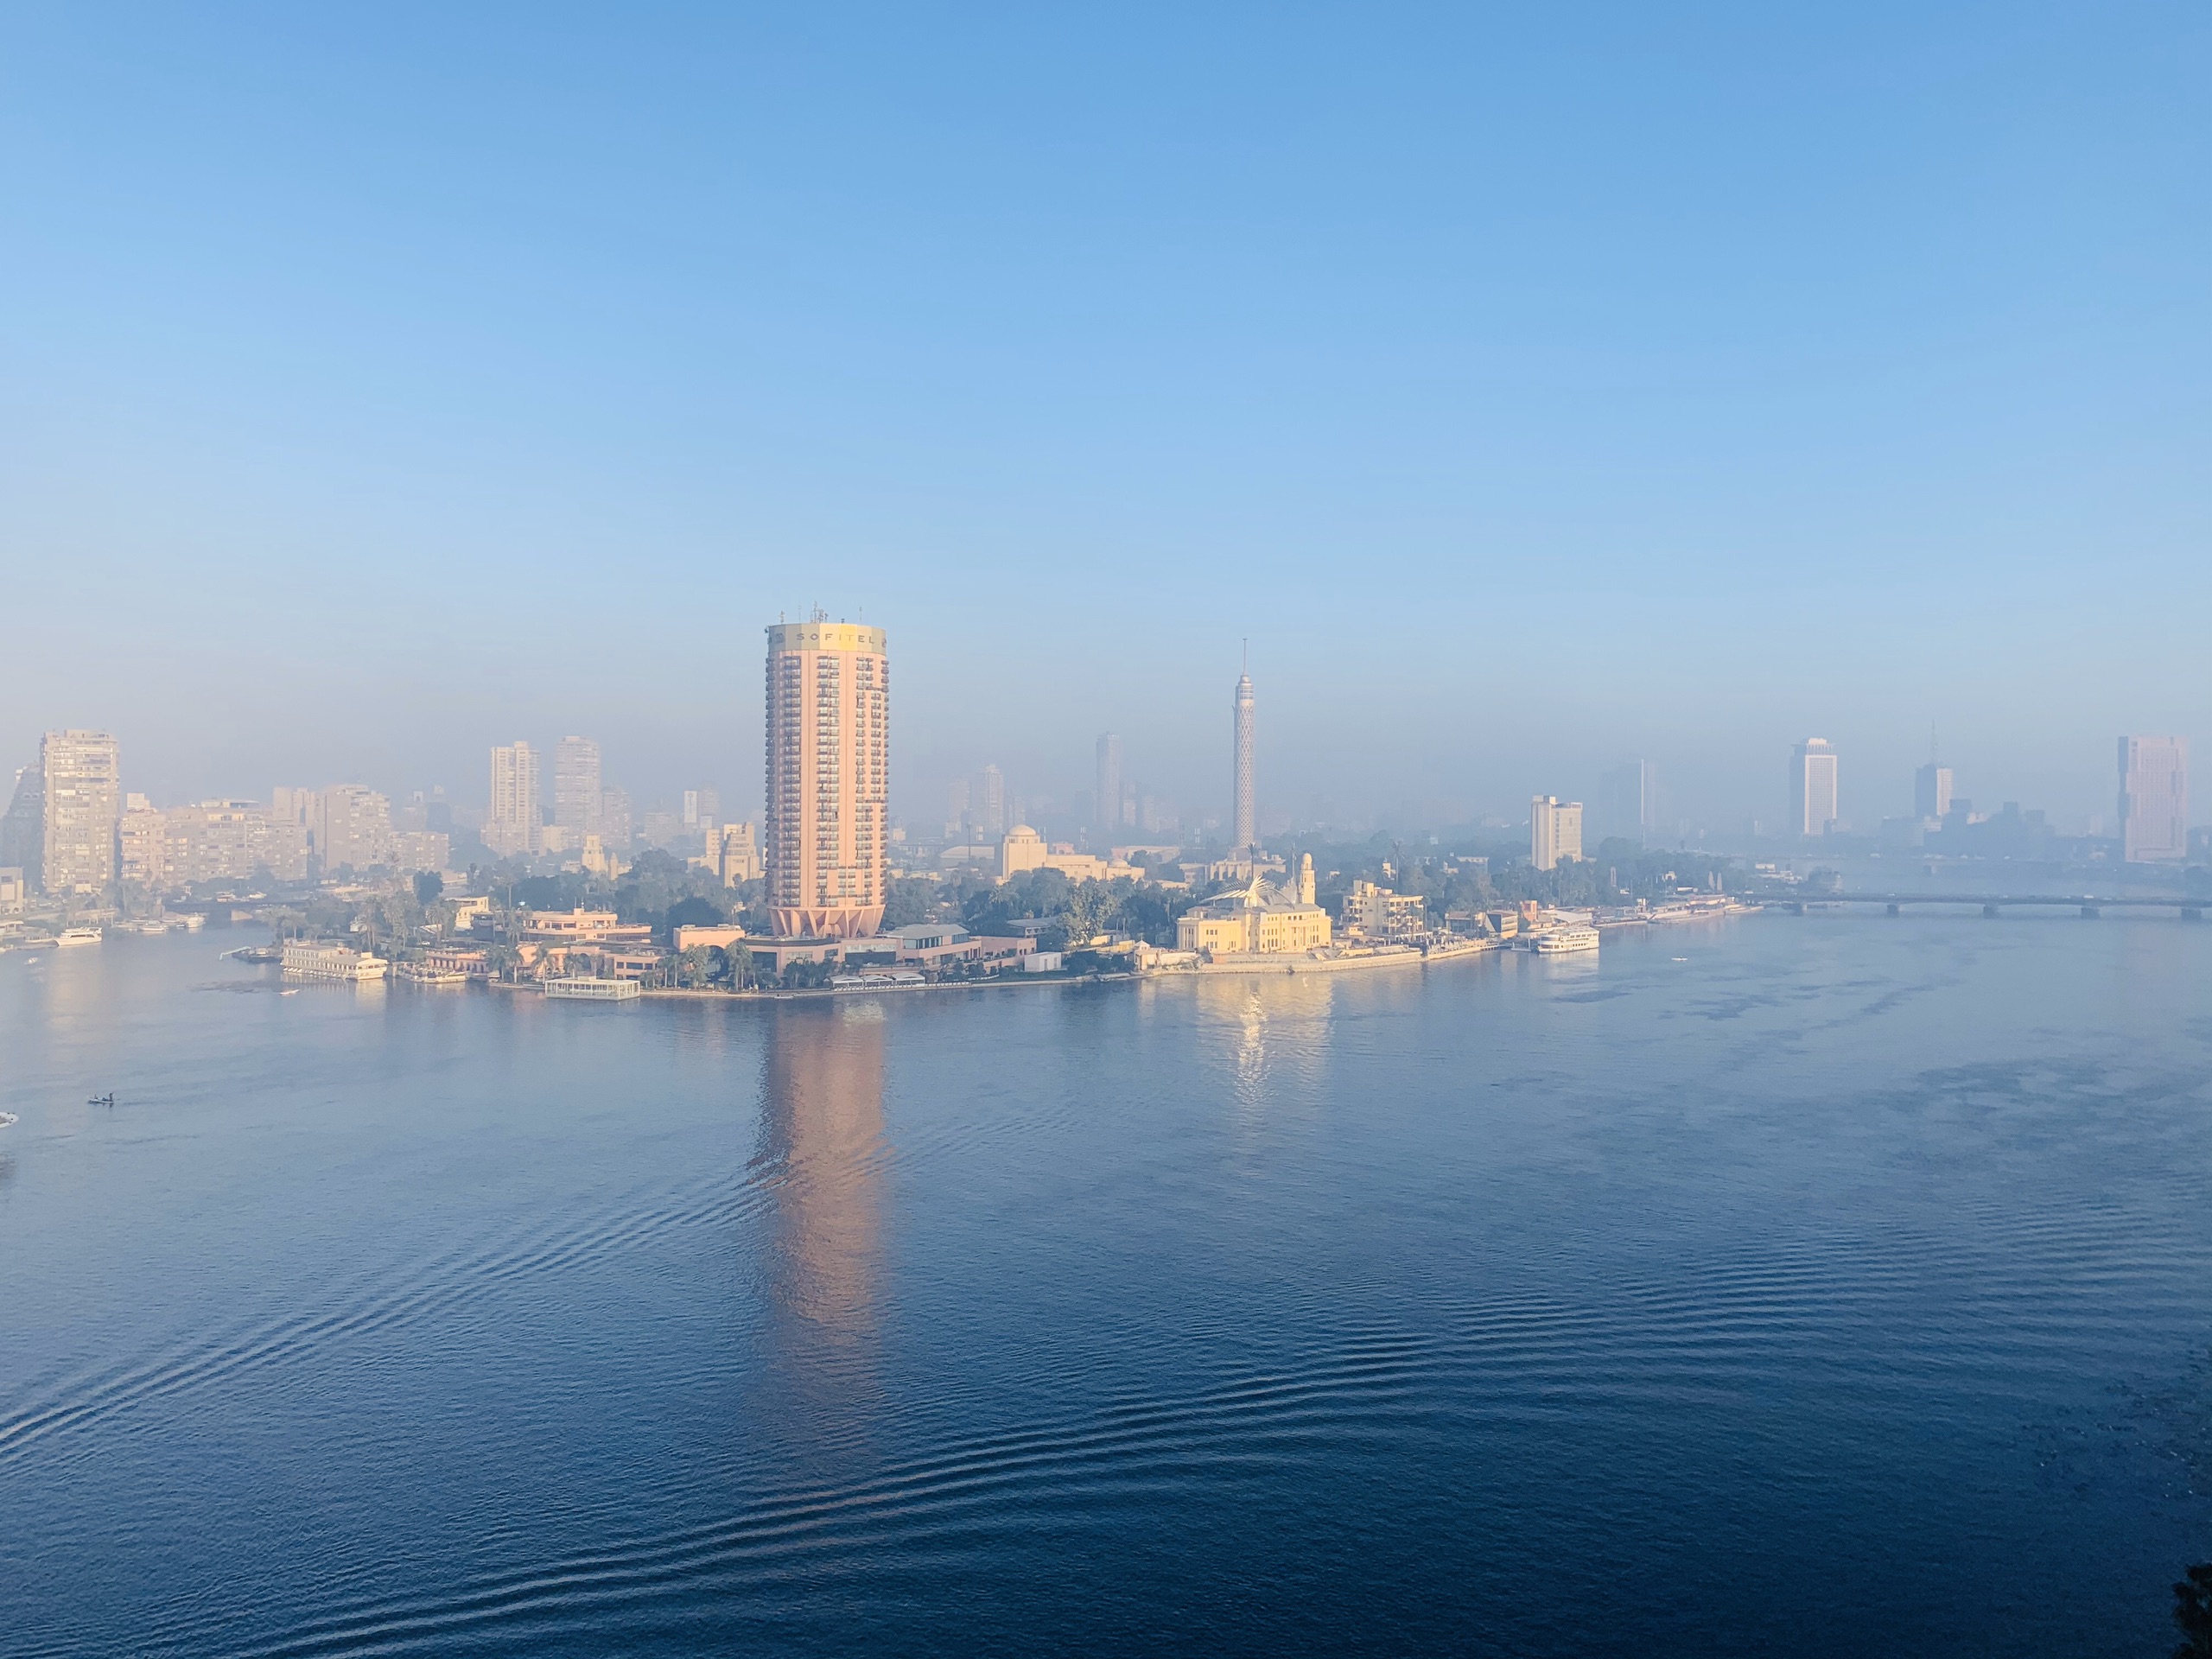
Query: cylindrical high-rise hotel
x=1248, y=814
x=828, y=769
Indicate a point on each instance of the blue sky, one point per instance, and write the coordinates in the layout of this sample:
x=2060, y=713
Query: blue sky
x=1532, y=388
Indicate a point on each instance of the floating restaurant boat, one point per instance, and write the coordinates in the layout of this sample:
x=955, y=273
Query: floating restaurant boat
x=1564, y=941
x=75, y=936
x=314, y=960
x=582, y=988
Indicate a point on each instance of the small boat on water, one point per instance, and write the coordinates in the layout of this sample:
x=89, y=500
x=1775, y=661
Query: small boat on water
x=75, y=936
x=7, y=1120
x=107, y=1099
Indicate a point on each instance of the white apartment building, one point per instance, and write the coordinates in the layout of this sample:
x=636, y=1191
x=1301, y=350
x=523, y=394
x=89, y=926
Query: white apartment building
x=1554, y=831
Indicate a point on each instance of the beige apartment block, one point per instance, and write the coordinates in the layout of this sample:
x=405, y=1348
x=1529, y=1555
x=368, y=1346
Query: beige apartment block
x=511, y=826
x=357, y=828
x=144, y=844
x=84, y=809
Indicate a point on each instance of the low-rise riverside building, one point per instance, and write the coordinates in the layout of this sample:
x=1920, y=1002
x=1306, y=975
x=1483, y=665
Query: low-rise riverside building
x=581, y=925
x=455, y=959
x=1374, y=913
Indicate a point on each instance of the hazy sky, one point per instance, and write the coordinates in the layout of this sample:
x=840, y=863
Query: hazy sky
x=1534, y=388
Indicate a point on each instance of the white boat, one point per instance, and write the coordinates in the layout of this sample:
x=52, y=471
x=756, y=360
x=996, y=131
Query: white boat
x=415, y=974
x=1566, y=941
x=580, y=988
x=75, y=936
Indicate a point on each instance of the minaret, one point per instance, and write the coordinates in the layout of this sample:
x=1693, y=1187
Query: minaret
x=1248, y=831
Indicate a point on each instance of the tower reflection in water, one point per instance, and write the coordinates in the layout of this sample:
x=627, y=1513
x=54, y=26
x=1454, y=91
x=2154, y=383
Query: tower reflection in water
x=823, y=1111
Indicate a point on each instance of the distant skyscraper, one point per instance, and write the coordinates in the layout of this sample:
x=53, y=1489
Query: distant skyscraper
x=301, y=809
x=23, y=830
x=829, y=759
x=1813, y=788
x=987, y=802
x=2153, y=799
x=614, y=827
x=1554, y=831
x=577, y=790
x=1628, y=803
x=703, y=809
x=356, y=827
x=511, y=825
x=84, y=805
x=1106, y=804
x=1931, y=791
x=1247, y=809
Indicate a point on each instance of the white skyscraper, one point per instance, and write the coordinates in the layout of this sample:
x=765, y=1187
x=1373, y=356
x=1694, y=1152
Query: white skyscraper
x=1554, y=831
x=1931, y=791
x=511, y=825
x=1246, y=830
x=1813, y=787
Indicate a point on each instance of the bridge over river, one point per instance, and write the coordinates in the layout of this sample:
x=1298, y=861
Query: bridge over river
x=1796, y=901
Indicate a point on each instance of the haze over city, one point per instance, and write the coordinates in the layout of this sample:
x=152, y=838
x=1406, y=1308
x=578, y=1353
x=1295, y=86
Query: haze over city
x=1532, y=394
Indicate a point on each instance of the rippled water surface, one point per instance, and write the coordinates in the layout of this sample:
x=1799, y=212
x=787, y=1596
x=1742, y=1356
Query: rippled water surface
x=1792, y=1284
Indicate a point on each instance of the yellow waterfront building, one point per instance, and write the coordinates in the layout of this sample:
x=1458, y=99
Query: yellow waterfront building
x=1260, y=920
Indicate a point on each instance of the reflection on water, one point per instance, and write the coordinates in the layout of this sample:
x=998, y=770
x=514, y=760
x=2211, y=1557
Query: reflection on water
x=823, y=1106
x=1279, y=1027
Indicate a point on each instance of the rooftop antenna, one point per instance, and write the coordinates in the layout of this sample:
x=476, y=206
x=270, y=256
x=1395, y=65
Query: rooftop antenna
x=1248, y=657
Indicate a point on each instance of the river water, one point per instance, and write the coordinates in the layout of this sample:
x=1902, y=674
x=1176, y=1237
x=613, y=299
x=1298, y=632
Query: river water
x=1814, y=1285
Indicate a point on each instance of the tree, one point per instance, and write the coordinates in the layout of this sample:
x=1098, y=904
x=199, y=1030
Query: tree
x=741, y=966
x=907, y=899
x=692, y=966
x=1083, y=913
x=693, y=912
x=429, y=883
x=2193, y=1613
